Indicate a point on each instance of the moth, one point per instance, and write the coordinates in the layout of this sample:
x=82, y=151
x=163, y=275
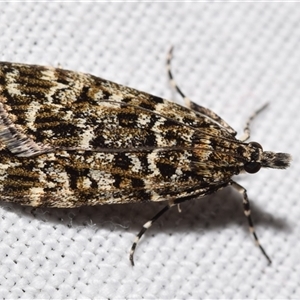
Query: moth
x=69, y=139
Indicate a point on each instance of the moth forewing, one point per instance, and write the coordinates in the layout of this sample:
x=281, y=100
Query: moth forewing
x=69, y=139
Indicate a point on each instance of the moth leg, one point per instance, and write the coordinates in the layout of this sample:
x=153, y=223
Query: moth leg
x=179, y=208
x=246, y=134
x=247, y=213
x=146, y=226
x=171, y=203
x=192, y=105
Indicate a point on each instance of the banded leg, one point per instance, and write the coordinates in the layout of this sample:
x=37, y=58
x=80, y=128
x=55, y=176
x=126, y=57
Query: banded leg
x=247, y=213
x=171, y=203
x=192, y=105
x=146, y=226
x=246, y=134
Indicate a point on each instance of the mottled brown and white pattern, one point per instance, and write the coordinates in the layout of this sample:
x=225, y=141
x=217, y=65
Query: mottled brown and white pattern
x=70, y=139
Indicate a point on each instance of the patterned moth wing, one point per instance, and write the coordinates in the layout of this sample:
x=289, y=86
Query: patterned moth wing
x=69, y=139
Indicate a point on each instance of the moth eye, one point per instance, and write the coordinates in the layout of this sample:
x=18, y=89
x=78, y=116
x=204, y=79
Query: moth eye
x=256, y=145
x=252, y=167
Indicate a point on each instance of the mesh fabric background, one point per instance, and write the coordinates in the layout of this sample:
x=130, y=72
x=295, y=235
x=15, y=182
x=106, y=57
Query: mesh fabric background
x=229, y=57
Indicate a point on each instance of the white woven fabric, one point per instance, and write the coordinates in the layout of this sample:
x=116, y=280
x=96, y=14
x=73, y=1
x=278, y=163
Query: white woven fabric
x=229, y=57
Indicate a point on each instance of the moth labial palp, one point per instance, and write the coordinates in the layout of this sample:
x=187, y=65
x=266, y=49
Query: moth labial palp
x=69, y=139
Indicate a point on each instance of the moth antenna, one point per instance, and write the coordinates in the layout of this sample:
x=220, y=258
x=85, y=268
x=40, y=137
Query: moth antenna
x=173, y=83
x=247, y=130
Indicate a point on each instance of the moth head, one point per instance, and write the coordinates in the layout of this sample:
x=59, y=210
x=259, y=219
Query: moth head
x=266, y=159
